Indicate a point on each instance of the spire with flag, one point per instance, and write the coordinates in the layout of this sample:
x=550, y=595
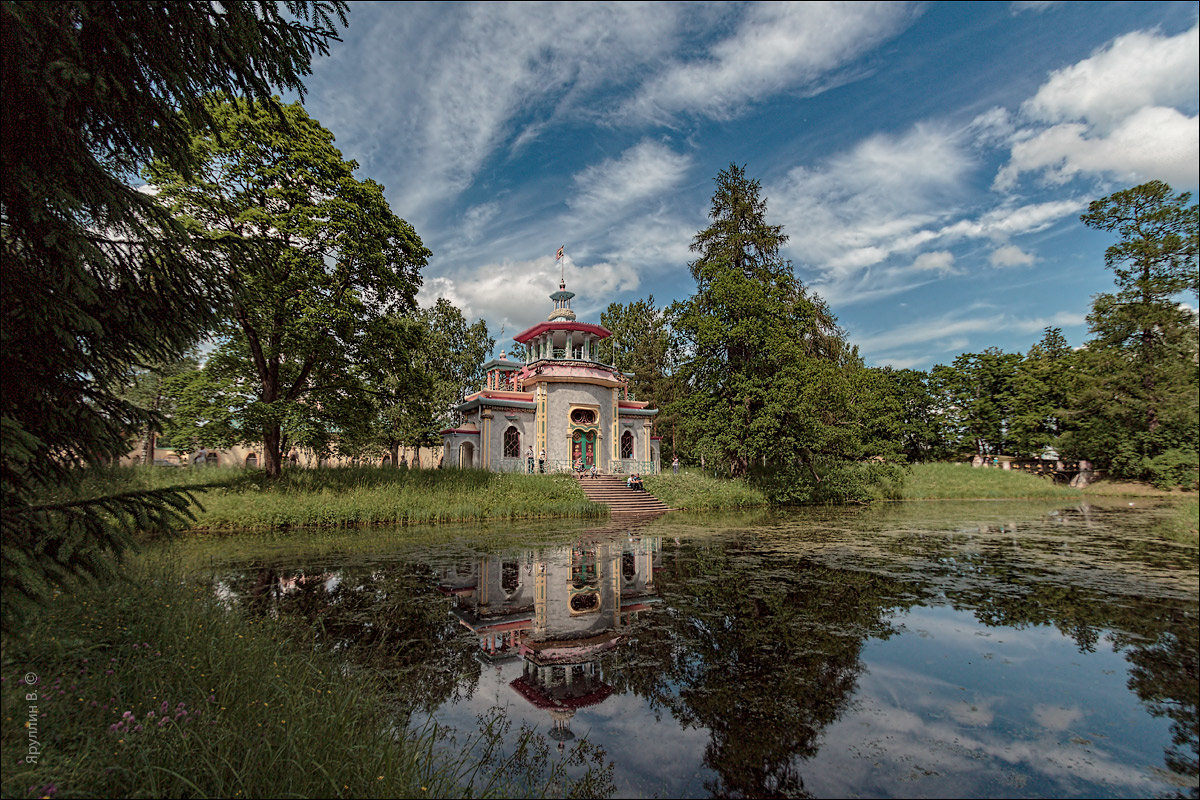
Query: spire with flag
x=561, y=266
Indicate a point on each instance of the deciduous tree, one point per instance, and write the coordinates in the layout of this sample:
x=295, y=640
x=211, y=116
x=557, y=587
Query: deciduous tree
x=312, y=256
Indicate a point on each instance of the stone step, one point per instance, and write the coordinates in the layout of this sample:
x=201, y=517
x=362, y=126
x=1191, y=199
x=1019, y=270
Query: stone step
x=620, y=499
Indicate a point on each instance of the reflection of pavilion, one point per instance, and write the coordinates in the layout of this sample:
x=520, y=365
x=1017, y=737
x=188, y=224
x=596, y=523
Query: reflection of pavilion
x=558, y=611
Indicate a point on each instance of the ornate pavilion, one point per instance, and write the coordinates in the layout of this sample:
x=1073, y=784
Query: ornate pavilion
x=561, y=406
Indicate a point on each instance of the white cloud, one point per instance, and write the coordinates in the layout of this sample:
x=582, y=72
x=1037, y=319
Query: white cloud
x=947, y=330
x=1056, y=718
x=1133, y=72
x=515, y=294
x=1032, y=6
x=468, y=76
x=776, y=46
x=1151, y=143
x=1126, y=112
x=643, y=172
x=1010, y=255
x=939, y=261
x=880, y=197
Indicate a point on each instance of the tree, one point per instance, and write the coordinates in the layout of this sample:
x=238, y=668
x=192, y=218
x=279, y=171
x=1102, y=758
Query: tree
x=424, y=365
x=97, y=278
x=980, y=387
x=149, y=389
x=1040, y=395
x=644, y=343
x=312, y=256
x=770, y=377
x=917, y=429
x=1137, y=406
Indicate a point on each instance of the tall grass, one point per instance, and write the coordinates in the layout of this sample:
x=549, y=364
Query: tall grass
x=153, y=689
x=693, y=490
x=350, y=497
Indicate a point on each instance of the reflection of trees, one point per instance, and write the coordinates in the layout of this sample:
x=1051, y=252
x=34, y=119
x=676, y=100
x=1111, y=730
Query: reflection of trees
x=762, y=651
x=1164, y=675
x=386, y=618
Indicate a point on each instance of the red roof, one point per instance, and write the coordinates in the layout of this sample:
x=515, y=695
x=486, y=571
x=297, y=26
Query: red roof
x=562, y=325
x=538, y=697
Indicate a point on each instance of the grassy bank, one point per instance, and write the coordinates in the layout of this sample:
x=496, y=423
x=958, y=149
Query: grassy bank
x=694, y=491
x=350, y=497
x=964, y=482
x=153, y=689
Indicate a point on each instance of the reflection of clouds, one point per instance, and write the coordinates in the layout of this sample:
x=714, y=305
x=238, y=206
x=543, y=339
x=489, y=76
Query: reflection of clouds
x=976, y=714
x=971, y=734
x=650, y=755
x=1056, y=718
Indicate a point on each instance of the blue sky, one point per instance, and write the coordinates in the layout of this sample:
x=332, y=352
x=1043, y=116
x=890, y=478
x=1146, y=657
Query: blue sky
x=929, y=162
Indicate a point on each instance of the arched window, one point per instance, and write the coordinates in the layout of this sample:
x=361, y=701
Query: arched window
x=512, y=442
x=252, y=460
x=583, y=416
x=627, y=444
x=510, y=577
x=628, y=566
x=210, y=459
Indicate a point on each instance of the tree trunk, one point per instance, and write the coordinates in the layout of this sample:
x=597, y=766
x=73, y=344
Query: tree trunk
x=394, y=452
x=416, y=462
x=272, y=453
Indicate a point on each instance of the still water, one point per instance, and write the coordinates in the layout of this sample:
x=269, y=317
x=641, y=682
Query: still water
x=919, y=650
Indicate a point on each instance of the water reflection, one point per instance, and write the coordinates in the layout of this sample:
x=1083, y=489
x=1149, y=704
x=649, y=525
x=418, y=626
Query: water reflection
x=973, y=650
x=557, y=610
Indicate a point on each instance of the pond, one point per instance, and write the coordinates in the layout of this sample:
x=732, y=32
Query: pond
x=924, y=649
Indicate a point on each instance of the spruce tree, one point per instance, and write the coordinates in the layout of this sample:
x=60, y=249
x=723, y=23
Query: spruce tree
x=770, y=378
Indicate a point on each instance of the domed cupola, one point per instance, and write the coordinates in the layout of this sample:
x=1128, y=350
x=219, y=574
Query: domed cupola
x=562, y=304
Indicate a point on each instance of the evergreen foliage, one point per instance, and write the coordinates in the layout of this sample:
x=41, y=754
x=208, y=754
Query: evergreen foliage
x=313, y=257
x=97, y=278
x=1137, y=412
x=771, y=380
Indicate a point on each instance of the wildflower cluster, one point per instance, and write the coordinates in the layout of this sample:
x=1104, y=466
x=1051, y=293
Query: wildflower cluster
x=129, y=723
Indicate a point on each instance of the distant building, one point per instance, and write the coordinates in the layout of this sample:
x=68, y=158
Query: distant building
x=563, y=402
x=252, y=456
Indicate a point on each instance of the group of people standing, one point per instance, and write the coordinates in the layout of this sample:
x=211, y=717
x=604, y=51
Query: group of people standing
x=541, y=461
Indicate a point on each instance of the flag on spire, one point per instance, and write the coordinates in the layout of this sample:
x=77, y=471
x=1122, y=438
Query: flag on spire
x=558, y=256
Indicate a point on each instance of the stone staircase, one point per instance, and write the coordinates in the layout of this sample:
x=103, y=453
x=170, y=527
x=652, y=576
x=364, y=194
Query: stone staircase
x=612, y=492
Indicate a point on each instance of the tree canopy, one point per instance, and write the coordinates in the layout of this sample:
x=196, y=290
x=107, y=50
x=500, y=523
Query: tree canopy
x=1137, y=408
x=312, y=255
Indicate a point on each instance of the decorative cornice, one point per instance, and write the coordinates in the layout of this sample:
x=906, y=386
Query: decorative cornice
x=543, y=327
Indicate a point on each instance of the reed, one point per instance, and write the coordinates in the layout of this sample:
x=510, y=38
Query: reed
x=693, y=490
x=246, y=500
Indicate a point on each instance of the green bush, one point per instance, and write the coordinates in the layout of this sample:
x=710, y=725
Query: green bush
x=1176, y=468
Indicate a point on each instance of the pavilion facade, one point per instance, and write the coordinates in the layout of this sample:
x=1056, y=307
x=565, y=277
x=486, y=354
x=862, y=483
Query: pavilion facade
x=561, y=408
